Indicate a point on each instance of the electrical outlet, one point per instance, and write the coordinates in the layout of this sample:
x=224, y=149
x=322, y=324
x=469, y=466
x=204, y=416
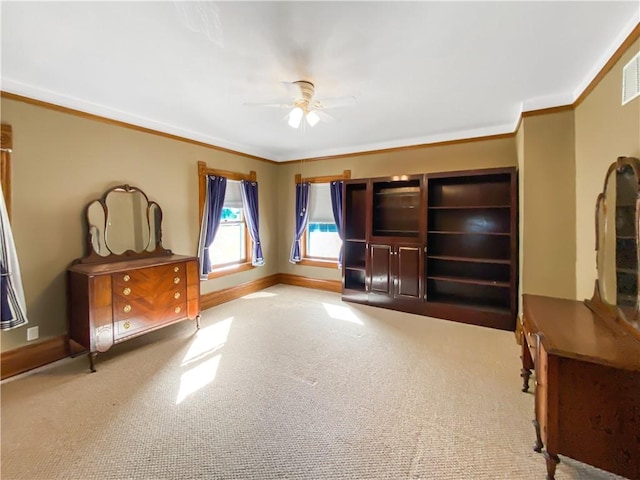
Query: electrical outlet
x=32, y=334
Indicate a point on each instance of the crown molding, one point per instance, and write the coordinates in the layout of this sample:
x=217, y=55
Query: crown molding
x=533, y=107
x=128, y=125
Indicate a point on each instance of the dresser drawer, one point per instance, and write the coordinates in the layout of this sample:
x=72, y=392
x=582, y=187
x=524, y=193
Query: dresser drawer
x=162, y=293
x=145, y=282
x=144, y=313
x=154, y=306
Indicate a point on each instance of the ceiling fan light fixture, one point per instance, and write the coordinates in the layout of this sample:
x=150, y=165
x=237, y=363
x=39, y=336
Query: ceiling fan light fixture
x=312, y=118
x=295, y=117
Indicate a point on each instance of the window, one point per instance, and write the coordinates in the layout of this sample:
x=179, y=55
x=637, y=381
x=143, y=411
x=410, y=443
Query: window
x=230, y=250
x=230, y=244
x=322, y=238
x=319, y=243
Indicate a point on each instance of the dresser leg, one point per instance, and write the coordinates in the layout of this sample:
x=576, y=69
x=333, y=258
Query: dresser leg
x=92, y=356
x=198, y=322
x=552, y=460
x=538, y=446
x=525, y=374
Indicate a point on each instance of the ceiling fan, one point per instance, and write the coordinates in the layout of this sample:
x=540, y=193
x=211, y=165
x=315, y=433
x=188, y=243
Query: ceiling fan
x=304, y=105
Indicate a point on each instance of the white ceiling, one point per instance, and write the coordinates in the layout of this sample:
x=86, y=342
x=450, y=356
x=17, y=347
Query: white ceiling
x=421, y=71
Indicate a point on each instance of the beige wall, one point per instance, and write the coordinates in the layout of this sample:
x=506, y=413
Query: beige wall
x=547, y=204
x=458, y=156
x=605, y=130
x=61, y=162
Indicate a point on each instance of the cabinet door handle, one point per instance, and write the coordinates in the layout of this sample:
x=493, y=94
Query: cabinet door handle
x=176, y=280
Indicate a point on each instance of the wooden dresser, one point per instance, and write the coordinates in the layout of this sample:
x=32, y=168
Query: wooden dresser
x=128, y=284
x=113, y=302
x=587, y=388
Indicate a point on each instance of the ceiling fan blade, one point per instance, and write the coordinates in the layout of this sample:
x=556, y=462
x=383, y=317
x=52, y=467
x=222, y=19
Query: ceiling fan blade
x=324, y=116
x=335, y=102
x=267, y=104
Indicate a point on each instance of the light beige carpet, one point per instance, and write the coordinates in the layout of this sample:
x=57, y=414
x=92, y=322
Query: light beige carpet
x=287, y=383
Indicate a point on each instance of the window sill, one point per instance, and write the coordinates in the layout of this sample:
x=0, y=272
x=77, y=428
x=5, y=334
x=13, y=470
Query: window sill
x=229, y=270
x=316, y=262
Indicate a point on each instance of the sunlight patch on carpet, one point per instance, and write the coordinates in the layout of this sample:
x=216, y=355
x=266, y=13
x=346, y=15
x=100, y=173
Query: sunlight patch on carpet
x=261, y=294
x=342, y=313
x=204, y=354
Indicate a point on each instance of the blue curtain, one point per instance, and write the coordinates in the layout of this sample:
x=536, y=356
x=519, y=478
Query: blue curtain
x=5, y=311
x=249, y=192
x=302, y=216
x=211, y=215
x=13, y=311
x=336, y=206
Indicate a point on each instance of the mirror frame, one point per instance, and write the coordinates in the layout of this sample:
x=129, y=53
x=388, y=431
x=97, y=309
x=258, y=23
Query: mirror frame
x=597, y=303
x=93, y=257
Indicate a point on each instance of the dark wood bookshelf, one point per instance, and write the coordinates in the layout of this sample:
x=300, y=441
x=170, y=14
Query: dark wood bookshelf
x=463, y=232
x=453, y=302
x=472, y=244
x=396, y=207
x=470, y=259
x=442, y=245
x=472, y=281
x=467, y=207
x=355, y=210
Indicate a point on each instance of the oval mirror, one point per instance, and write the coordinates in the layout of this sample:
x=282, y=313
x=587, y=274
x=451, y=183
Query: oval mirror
x=155, y=220
x=96, y=220
x=617, y=217
x=607, y=250
x=127, y=224
x=626, y=246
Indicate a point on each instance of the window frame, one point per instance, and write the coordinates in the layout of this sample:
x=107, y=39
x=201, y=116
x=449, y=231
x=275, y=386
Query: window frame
x=6, y=146
x=305, y=259
x=233, y=267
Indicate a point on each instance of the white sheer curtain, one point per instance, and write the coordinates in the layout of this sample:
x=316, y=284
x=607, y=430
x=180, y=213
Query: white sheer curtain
x=14, y=311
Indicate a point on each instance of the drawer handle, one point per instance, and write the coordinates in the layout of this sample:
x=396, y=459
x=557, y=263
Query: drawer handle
x=126, y=291
x=176, y=269
x=176, y=295
x=177, y=309
x=126, y=325
x=176, y=280
x=126, y=308
x=126, y=278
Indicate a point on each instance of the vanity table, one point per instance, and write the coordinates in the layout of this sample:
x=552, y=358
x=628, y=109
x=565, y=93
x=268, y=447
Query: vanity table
x=128, y=284
x=586, y=355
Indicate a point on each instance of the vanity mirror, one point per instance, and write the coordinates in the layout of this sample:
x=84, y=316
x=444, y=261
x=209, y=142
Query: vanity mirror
x=617, y=215
x=123, y=223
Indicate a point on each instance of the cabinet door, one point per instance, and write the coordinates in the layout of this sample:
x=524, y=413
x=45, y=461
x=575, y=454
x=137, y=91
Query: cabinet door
x=409, y=271
x=380, y=276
